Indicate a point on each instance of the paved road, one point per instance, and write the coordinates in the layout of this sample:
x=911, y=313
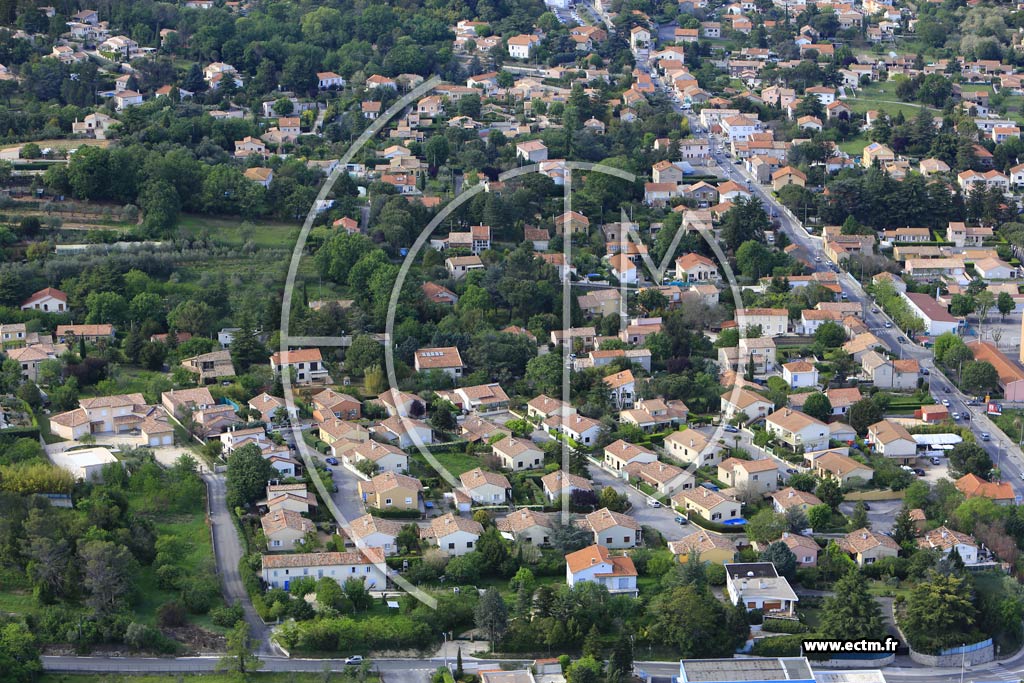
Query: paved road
x=228, y=552
x=662, y=519
x=418, y=670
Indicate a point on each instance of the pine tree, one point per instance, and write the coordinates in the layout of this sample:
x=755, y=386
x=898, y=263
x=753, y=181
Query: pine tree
x=622, y=655
x=852, y=611
x=859, y=519
x=903, y=529
x=592, y=643
x=458, y=665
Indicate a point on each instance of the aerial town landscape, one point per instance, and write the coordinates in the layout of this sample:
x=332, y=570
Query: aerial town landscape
x=511, y=341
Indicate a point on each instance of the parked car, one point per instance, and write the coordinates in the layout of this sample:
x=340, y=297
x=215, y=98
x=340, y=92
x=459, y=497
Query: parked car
x=919, y=472
x=653, y=503
x=682, y=520
x=331, y=461
x=935, y=460
x=732, y=429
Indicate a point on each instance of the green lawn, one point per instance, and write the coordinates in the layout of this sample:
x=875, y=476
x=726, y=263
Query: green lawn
x=854, y=147
x=235, y=232
x=456, y=463
x=882, y=97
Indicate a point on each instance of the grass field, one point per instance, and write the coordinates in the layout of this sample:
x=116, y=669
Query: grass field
x=236, y=232
x=882, y=97
x=456, y=463
x=854, y=147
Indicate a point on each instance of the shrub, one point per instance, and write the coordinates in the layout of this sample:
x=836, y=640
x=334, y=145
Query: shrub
x=779, y=646
x=715, y=574
x=199, y=595
x=784, y=626
x=167, y=576
x=227, y=615
x=171, y=614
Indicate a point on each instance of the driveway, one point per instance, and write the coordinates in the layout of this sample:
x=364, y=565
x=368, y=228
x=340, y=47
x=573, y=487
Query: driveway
x=881, y=515
x=227, y=549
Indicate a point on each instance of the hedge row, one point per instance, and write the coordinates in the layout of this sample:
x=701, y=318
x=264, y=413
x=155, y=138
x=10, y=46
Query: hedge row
x=780, y=646
x=394, y=513
x=784, y=626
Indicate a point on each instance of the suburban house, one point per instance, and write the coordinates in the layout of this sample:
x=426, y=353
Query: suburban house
x=713, y=548
x=806, y=549
x=946, y=540
x=454, y=535
x=797, y=430
x=595, y=564
x=755, y=476
x=621, y=453
x=90, y=333
x=696, y=268
x=1009, y=372
x=612, y=529
x=391, y=490
x=386, y=457
x=210, y=367
x=49, y=300
x=840, y=467
x=459, y=266
x=374, y=532
x=559, y=483
x=739, y=400
x=292, y=497
x=529, y=526
x=891, y=439
x=487, y=488
x=691, y=447
x=973, y=486
x=867, y=546
x=711, y=505
x=582, y=430
x=664, y=478
x=445, y=359
x=283, y=528
x=405, y=432
x=181, y=402
x=799, y=374
x=756, y=585
x=887, y=373
x=518, y=454
x=306, y=364
x=622, y=388
x=789, y=497
x=342, y=435
x=330, y=404
x=368, y=565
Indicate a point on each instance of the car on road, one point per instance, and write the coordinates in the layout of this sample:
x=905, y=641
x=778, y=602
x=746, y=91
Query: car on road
x=653, y=503
x=732, y=429
x=925, y=372
x=331, y=461
x=354, y=659
x=945, y=402
x=985, y=436
x=874, y=310
x=902, y=340
x=888, y=325
x=955, y=416
x=791, y=470
x=817, y=259
x=682, y=520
